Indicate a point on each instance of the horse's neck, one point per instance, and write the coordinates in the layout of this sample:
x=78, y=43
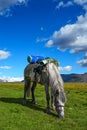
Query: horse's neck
x=55, y=80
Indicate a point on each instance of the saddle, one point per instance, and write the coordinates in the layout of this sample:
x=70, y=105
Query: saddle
x=41, y=61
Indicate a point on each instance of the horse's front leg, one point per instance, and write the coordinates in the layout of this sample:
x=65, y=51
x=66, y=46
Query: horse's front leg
x=47, y=99
x=32, y=92
x=52, y=101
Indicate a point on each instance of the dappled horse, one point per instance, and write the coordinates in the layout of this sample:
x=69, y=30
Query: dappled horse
x=49, y=76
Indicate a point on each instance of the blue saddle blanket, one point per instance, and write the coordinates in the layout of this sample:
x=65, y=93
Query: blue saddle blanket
x=34, y=59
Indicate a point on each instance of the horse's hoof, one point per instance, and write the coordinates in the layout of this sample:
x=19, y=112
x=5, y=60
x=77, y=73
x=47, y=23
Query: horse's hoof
x=34, y=102
x=48, y=111
x=61, y=116
x=24, y=102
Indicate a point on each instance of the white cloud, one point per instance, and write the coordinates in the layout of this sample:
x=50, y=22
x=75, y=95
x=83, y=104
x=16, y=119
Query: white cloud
x=83, y=62
x=80, y=2
x=66, y=68
x=4, y=54
x=71, y=36
x=5, y=67
x=11, y=79
x=41, y=39
x=5, y=5
x=62, y=4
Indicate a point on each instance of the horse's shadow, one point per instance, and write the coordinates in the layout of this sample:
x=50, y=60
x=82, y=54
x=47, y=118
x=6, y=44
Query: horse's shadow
x=29, y=104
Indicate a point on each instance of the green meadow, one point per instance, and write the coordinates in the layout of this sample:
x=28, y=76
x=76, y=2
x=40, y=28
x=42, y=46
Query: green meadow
x=15, y=116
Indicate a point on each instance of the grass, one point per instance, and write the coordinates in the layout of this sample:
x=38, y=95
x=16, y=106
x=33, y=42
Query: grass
x=15, y=116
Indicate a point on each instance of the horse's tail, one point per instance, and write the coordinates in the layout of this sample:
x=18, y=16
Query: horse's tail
x=27, y=87
x=28, y=91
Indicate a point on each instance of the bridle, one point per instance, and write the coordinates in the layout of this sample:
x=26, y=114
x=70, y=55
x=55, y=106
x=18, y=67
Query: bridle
x=57, y=106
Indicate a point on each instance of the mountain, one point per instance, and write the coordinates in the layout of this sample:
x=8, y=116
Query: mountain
x=3, y=80
x=68, y=78
x=74, y=77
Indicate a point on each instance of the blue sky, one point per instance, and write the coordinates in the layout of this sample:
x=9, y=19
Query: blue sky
x=49, y=28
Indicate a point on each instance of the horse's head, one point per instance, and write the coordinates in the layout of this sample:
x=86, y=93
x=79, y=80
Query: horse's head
x=59, y=102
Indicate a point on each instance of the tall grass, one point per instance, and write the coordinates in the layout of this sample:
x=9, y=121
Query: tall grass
x=15, y=116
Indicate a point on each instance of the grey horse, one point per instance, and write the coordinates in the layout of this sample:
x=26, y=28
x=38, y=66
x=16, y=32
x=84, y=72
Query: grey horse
x=49, y=76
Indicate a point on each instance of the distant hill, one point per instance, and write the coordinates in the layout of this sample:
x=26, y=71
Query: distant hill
x=1, y=80
x=75, y=77
x=68, y=78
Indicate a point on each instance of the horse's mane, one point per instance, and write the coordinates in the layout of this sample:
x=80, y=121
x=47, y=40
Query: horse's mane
x=55, y=79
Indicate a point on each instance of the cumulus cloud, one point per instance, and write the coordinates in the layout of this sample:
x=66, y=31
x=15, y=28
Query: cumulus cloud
x=83, y=62
x=82, y=3
x=4, y=54
x=11, y=79
x=71, y=36
x=5, y=67
x=66, y=68
x=5, y=5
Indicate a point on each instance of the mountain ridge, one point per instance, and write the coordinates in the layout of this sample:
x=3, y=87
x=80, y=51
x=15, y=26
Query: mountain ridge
x=73, y=77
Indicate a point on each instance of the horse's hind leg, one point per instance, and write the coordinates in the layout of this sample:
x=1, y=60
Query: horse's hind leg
x=32, y=92
x=26, y=91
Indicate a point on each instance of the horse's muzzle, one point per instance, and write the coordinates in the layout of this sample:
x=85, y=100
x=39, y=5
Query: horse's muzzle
x=60, y=111
x=61, y=114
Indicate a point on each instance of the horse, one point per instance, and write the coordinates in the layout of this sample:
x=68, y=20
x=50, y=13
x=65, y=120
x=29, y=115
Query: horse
x=49, y=76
